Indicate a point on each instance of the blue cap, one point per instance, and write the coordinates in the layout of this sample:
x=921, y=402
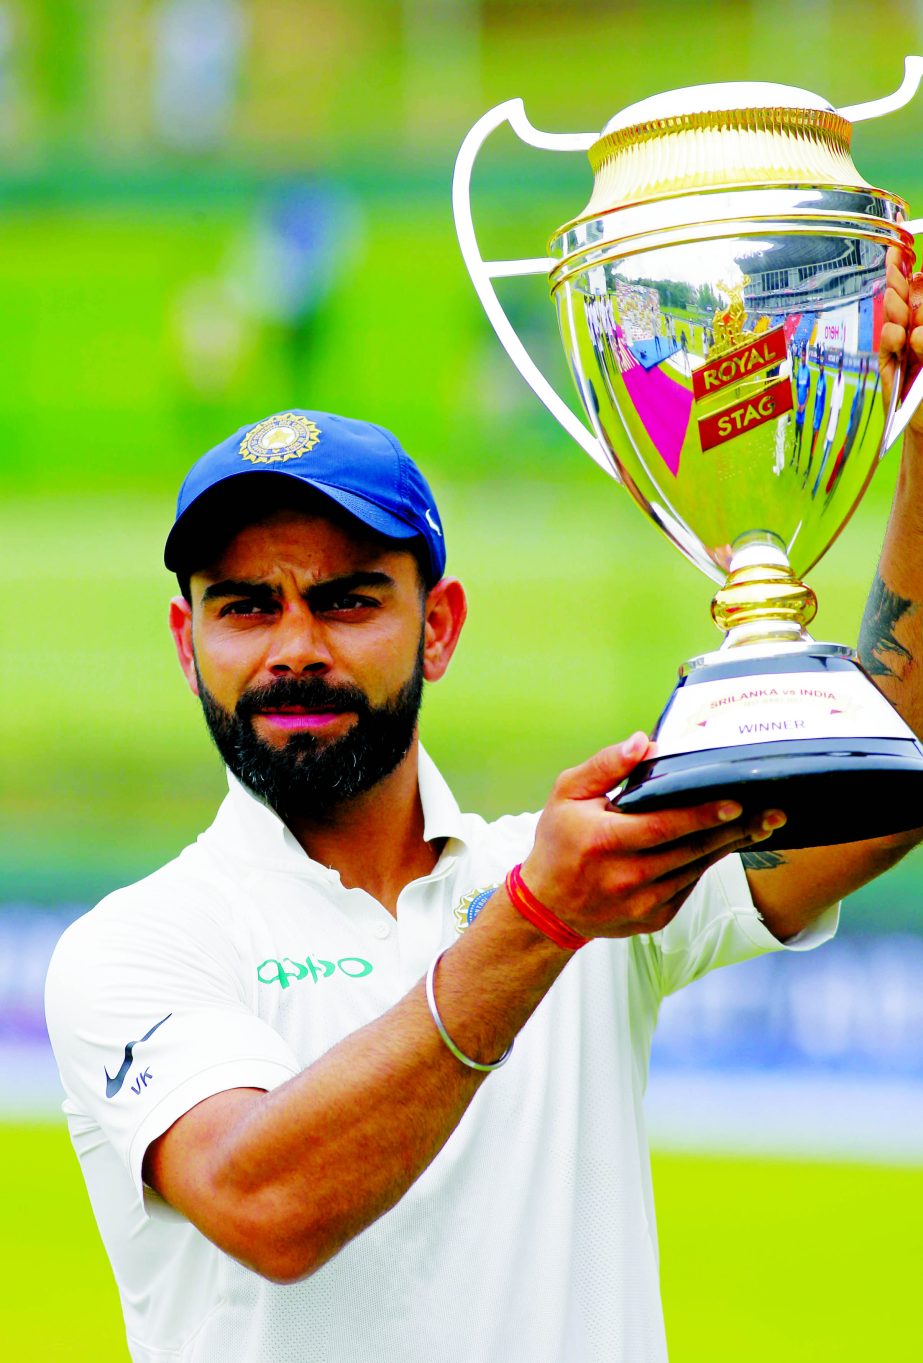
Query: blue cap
x=358, y=465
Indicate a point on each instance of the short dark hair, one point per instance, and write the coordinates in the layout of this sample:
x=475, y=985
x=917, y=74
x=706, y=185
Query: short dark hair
x=229, y=508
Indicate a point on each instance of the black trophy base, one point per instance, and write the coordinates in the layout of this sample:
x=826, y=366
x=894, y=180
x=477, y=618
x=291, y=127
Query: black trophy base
x=831, y=790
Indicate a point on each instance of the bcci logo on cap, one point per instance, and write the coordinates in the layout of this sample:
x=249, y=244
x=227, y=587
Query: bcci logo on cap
x=279, y=438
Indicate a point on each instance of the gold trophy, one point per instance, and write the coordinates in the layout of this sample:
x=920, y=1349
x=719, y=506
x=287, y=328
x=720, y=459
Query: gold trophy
x=720, y=302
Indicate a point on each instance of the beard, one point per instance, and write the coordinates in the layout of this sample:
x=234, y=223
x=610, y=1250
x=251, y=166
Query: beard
x=308, y=777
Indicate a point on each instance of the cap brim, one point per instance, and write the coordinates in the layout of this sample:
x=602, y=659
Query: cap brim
x=179, y=552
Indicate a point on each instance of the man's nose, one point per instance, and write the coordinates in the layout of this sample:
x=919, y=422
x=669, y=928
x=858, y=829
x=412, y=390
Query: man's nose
x=298, y=644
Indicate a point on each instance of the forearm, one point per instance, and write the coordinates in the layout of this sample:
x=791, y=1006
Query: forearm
x=790, y=888
x=308, y=1166
x=891, y=637
x=283, y=1180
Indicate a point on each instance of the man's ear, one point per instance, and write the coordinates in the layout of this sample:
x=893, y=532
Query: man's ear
x=444, y=614
x=181, y=629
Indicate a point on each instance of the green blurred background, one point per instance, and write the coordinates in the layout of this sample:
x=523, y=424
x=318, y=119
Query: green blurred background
x=211, y=210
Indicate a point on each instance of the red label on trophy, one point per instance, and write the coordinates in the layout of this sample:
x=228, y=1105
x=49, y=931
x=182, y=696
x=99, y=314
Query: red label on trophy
x=773, y=401
x=737, y=365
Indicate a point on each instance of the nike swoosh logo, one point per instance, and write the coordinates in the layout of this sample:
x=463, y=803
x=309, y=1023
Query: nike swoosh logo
x=115, y=1082
x=432, y=524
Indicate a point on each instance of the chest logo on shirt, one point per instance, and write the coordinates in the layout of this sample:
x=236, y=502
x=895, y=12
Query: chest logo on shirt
x=468, y=908
x=287, y=970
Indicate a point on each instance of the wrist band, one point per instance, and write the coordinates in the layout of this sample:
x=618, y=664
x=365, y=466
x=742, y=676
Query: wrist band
x=459, y=1055
x=522, y=898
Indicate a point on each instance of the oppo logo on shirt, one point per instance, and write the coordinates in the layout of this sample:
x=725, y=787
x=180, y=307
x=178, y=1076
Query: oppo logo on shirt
x=272, y=971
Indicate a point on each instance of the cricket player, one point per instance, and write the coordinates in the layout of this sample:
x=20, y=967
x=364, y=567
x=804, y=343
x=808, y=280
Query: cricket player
x=820, y=405
x=852, y=426
x=359, y=1076
x=833, y=420
x=802, y=391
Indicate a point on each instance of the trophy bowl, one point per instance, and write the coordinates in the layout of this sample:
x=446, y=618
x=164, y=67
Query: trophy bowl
x=720, y=301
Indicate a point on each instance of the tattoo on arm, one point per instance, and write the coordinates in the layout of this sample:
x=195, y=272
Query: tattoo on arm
x=883, y=610
x=762, y=861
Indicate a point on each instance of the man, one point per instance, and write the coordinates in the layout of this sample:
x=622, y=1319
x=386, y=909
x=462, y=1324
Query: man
x=852, y=426
x=286, y=1132
x=802, y=391
x=820, y=405
x=833, y=420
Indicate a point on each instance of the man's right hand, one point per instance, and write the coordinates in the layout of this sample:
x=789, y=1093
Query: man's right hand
x=608, y=874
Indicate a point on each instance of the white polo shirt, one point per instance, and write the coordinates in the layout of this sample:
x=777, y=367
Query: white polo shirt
x=531, y=1237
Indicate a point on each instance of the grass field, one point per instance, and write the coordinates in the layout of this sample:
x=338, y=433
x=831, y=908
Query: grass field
x=806, y=1263
x=761, y=1261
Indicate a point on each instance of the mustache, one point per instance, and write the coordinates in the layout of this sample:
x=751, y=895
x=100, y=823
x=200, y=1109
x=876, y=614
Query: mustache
x=309, y=693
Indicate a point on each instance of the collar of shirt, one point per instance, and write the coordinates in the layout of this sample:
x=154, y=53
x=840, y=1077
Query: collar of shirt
x=247, y=826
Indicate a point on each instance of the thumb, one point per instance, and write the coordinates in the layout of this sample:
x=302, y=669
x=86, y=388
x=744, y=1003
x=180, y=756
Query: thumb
x=605, y=769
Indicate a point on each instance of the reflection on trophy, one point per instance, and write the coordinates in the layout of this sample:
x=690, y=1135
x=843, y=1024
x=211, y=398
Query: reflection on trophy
x=720, y=299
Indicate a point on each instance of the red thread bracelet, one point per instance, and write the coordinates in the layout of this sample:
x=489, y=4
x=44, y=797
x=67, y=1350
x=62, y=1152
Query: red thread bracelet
x=522, y=898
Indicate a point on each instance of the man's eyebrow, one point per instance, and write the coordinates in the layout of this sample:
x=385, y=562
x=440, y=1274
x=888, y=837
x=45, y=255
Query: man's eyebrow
x=218, y=591
x=346, y=582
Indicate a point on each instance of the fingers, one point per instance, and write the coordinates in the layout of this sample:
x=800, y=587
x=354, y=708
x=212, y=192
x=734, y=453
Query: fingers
x=897, y=273
x=901, y=317
x=696, y=852
x=607, y=873
x=680, y=835
x=916, y=294
x=610, y=874
x=897, y=307
x=916, y=319
x=605, y=769
x=642, y=832
x=890, y=351
x=667, y=868
x=691, y=872
x=901, y=302
x=656, y=903
x=675, y=889
x=898, y=264
x=916, y=344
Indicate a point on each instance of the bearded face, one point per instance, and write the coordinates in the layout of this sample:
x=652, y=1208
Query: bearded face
x=310, y=776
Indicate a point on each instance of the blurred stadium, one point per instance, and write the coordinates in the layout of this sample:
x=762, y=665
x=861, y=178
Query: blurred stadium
x=212, y=209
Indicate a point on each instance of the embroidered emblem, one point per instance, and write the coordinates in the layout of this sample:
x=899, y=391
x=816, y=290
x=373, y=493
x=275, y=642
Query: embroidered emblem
x=467, y=909
x=279, y=438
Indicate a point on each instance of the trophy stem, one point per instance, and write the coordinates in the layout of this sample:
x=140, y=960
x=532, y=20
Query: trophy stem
x=762, y=600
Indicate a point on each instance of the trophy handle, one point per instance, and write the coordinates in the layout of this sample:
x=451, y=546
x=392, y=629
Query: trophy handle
x=483, y=272
x=914, y=395
x=874, y=108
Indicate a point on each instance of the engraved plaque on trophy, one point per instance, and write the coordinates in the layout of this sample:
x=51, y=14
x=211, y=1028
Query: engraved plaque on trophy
x=720, y=300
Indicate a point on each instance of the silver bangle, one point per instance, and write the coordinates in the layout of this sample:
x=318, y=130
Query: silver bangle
x=459, y=1055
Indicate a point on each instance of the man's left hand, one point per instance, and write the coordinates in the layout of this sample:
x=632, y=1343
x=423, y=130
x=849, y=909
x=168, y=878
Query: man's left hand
x=902, y=332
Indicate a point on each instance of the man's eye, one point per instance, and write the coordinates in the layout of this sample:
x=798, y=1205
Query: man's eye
x=246, y=608
x=349, y=601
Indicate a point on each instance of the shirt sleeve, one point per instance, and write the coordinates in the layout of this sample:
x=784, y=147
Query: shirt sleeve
x=720, y=925
x=147, y=1017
